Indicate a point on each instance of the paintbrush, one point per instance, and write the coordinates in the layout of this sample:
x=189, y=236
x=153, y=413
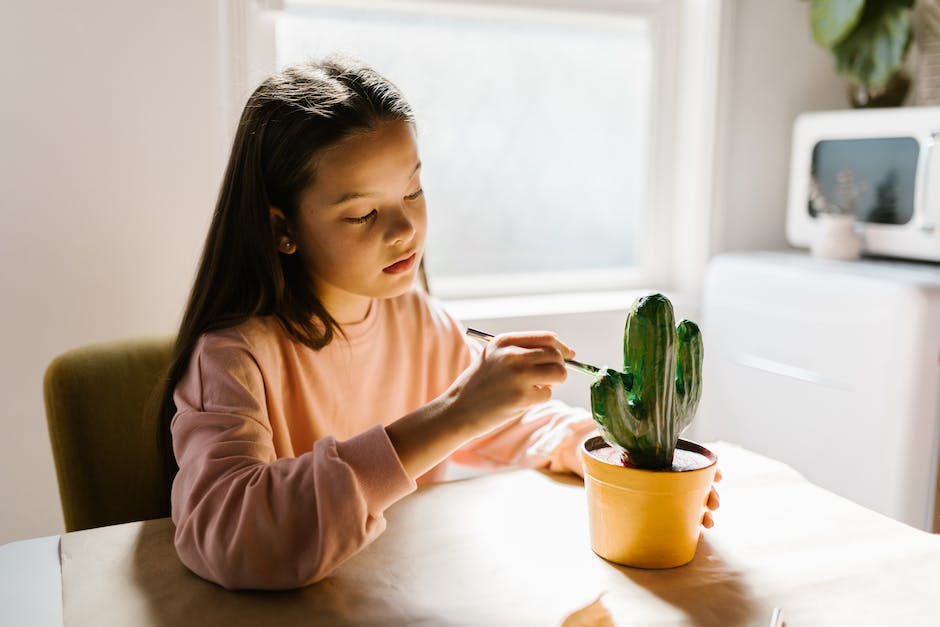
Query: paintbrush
x=571, y=363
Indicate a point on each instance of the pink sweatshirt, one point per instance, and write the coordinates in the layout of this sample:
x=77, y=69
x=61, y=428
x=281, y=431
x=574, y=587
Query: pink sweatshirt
x=285, y=464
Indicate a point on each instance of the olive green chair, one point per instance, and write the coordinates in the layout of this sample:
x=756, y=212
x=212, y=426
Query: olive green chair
x=100, y=407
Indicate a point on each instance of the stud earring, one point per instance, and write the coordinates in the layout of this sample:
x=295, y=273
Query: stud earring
x=288, y=246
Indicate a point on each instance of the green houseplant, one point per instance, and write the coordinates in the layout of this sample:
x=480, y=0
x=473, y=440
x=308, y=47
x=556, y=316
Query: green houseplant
x=643, y=408
x=645, y=501
x=869, y=40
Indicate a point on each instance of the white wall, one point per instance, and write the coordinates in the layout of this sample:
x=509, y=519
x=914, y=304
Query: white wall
x=115, y=135
x=774, y=72
x=113, y=146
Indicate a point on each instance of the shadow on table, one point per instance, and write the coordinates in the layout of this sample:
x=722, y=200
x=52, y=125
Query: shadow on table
x=175, y=596
x=565, y=478
x=707, y=590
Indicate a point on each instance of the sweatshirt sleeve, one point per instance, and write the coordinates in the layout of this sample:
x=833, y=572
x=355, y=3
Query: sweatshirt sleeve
x=546, y=436
x=245, y=519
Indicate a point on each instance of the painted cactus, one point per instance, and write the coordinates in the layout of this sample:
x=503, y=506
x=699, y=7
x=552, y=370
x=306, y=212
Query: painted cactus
x=644, y=408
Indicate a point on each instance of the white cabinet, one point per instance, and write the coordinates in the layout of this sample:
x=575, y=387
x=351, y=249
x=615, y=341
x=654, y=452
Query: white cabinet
x=833, y=368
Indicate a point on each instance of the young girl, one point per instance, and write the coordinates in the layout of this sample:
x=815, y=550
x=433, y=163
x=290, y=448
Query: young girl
x=313, y=383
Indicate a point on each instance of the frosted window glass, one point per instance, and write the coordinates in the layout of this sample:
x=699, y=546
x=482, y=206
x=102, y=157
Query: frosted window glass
x=532, y=127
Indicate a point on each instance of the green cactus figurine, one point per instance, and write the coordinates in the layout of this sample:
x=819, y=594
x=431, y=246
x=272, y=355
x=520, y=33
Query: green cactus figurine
x=644, y=408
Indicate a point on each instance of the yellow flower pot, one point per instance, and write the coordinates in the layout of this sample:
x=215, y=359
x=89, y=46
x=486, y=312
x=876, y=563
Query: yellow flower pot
x=645, y=518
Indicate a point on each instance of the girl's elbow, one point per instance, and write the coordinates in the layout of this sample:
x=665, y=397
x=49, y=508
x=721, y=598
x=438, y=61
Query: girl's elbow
x=246, y=563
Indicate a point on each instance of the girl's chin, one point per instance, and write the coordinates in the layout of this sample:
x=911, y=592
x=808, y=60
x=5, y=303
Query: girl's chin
x=398, y=284
x=403, y=284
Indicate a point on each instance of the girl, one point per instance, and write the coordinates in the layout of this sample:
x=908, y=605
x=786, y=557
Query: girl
x=313, y=384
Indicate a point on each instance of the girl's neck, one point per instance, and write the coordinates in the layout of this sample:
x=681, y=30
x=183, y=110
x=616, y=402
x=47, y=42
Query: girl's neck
x=350, y=310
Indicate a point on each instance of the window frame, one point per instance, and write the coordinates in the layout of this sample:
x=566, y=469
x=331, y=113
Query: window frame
x=677, y=230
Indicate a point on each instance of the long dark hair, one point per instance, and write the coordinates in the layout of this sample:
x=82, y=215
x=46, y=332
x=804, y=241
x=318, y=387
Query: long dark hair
x=287, y=121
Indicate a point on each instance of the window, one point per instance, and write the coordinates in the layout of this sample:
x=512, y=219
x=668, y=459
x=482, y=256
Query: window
x=551, y=131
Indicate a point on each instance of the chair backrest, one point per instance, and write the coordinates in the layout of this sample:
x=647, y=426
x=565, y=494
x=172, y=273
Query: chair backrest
x=101, y=403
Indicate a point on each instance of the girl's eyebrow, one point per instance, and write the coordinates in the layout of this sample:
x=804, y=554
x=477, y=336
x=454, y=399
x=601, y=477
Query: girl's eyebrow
x=356, y=195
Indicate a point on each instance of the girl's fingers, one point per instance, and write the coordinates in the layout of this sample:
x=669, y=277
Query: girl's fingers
x=545, y=355
x=530, y=360
x=551, y=357
x=541, y=394
x=537, y=394
x=548, y=373
x=534, y=339
x=711, y=503
x=713, y=500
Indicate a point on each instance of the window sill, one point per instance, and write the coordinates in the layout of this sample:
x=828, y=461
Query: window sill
x=567, y=303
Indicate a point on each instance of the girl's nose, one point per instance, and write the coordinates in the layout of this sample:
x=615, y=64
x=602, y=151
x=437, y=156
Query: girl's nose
x=399, y=228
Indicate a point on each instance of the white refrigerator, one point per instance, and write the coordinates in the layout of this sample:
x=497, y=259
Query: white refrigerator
x=832, y=367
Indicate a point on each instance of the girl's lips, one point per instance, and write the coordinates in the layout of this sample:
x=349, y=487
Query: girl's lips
x=401, y=266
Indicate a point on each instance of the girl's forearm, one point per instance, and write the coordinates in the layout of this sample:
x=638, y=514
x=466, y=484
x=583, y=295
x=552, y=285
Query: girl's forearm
x=428, y=435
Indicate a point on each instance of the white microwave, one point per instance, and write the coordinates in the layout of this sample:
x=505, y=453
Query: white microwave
x=880, y=164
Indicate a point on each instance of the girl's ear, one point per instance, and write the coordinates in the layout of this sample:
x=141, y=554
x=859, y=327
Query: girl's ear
x=281, y=229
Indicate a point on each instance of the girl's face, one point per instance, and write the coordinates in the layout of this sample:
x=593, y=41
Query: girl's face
x=360, y=226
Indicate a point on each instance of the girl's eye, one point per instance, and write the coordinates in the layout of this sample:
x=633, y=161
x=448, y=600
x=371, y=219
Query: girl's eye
x=414, y=196
x=362, y=219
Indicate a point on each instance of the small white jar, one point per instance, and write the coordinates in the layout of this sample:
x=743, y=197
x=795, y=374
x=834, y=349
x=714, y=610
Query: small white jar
x=836, y=237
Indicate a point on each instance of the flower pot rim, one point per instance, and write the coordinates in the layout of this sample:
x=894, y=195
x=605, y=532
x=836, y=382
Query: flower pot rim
x=595, y=442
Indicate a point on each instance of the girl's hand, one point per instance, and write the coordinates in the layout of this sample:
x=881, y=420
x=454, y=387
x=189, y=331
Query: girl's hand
x=514, y=372
x=711, y=504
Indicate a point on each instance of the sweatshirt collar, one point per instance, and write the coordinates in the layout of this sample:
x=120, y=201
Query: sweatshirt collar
x=358, y=330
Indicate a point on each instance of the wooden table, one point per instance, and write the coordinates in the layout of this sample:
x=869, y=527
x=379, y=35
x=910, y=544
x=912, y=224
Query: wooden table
x=512, y=548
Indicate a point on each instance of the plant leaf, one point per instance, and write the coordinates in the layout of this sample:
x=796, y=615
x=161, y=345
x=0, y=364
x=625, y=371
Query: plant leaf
x=833, y=20
x=874, y=52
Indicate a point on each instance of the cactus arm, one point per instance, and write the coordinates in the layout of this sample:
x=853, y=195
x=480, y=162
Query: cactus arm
x=612, y=409
x=688, y=372
x=619, y=416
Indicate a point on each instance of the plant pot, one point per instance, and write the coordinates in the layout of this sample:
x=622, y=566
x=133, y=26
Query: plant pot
x=645, y=518
x=890, y=95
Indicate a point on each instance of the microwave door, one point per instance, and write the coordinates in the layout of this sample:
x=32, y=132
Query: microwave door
x=872, y=178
